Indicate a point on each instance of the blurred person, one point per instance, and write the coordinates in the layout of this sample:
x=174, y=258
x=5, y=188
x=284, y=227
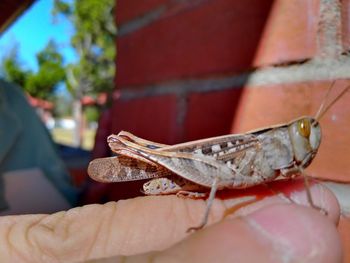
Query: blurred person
x=26, y=144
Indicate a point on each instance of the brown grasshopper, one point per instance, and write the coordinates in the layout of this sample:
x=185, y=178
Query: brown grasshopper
x=230, y=161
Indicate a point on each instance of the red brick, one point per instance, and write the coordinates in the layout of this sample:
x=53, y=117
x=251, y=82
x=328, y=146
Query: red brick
x=218, y=37
x=152, y=118
x=210, y=114
x=131, y=9
x=289, y=33
x=345, y=15
x=264, y=106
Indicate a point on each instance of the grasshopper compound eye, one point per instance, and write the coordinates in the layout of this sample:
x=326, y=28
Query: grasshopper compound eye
x=305, y=135
x=304, y=127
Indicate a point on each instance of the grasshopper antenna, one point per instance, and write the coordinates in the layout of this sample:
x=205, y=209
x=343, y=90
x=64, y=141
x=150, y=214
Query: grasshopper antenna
x=317, y=116
x=323, y=108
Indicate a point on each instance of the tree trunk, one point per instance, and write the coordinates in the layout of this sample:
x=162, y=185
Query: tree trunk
x=78, y=118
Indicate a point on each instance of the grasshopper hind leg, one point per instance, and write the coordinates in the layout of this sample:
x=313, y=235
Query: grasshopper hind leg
x=173, y=185
x=190, y=194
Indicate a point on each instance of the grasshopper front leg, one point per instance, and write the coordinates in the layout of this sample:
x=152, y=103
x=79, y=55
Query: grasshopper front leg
x=209, y=204
x=182, y=188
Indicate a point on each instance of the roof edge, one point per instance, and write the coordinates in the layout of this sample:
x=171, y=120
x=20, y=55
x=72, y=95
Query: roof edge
x=24, y=6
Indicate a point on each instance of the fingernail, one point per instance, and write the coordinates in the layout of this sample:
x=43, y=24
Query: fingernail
x=293, y=233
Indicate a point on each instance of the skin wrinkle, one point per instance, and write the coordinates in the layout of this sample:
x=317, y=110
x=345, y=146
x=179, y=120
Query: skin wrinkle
x=32, y=240
x=109, y=224
x=114, y=219
x=65, y=233
x=11, y=233
x=52, y=225
x=7, y=238
x=64, y=224
x=110, y=215
x=50, y=229
x=94, y=239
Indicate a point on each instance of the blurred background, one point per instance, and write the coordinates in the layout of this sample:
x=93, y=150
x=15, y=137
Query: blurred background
x=57, y=68
x=73, y=72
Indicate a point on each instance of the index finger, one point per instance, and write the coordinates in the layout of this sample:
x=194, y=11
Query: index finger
x=126, y=227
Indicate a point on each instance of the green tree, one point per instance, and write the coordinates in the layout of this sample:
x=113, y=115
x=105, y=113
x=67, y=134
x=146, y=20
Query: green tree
x=51, y=72
x=94, y=43
x=40, y=84
x=12, y=69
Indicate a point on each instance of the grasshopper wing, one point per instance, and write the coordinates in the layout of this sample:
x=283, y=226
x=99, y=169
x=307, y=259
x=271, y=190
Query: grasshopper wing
x=196, y=168
x=123, y=168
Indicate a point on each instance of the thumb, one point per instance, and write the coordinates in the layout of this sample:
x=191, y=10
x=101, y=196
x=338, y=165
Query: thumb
x=277, y=233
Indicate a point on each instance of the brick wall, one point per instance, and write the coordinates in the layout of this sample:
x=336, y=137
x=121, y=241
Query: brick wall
x=190, y=69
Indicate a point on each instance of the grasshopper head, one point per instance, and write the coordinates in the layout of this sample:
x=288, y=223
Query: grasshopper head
x=305, y=135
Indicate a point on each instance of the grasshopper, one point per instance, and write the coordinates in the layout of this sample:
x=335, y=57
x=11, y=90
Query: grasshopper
x=231, y=161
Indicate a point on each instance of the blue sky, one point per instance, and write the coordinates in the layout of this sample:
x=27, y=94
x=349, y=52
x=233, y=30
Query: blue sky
x=32, y=31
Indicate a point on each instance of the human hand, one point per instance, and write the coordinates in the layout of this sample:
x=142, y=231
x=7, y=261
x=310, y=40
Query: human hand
x=154, y=229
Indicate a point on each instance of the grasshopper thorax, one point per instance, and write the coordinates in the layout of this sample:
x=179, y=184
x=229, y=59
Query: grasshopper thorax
x=305, y=134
